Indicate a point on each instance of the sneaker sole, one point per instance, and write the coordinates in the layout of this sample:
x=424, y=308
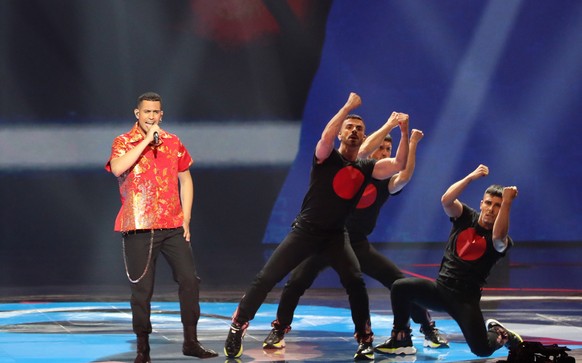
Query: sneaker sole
x=279, y=345
x=404, y=350
x=516, y=335
x=495, y=322
x=364, y=356
x=240, y=352
x=429, y=344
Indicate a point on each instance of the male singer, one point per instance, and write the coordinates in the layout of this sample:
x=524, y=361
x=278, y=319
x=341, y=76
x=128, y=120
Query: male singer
x=157, y=192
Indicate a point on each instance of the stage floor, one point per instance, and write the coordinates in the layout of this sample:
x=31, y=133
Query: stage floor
x=89, y=328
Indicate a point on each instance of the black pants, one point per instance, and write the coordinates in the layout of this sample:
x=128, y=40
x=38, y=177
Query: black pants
x=297, y=246
x=463, y=307
x=372, y=263
x=178, y=253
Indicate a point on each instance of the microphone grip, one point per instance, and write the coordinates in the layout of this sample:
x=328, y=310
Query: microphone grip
x=156, y=138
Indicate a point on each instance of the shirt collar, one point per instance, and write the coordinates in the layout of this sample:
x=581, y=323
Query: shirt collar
x=135, y=134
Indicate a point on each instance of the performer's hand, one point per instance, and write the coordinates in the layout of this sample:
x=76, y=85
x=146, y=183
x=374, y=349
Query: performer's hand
x=403, y=120
x=150, y=134
x=481, y=171
x=186, y=232
x=416, y=135
x=392, y=121
x=509, y=193
x=353, y=101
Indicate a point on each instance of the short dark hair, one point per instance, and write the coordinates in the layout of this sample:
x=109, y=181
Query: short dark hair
x=357, y=117
x=495, y=190
x=149, y=96
x=388, y=138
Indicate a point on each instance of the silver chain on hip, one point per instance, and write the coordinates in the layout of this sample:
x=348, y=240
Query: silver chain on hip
x=145, y=271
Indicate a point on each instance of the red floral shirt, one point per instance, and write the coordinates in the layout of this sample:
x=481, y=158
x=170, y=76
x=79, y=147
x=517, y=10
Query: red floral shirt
x=150, y=194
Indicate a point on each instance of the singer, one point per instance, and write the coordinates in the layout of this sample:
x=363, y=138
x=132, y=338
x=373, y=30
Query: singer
x=157, y=194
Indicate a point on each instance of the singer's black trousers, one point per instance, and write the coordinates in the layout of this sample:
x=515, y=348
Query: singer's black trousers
x=178, y=252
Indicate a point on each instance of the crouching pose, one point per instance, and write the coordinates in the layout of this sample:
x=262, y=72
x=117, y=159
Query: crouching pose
x=476, y=242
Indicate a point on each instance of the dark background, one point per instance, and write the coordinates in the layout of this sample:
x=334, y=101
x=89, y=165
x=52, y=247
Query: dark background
x=82, y=61
x=83, y=64
x=487, y=81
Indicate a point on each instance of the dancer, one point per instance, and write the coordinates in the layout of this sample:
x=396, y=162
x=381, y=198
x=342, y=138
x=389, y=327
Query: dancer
x=476, y=242
x=157, y=192
x=338, y=178
x=359, y=225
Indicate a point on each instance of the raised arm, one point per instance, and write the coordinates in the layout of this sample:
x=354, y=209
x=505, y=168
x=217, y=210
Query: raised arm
x=501, y=225
x=327, y=142
x=121, y=164
x=374, y=140
x=403, y=177
x=387, y=167
x=450, y=200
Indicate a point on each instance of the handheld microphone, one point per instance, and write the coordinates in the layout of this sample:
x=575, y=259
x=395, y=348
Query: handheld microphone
x=156, y=138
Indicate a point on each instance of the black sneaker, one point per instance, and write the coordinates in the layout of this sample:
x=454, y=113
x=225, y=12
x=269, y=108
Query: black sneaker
x=275, y=339
x=513, y=339
x=364, y=352
x=233, y=347
x=398, y=343
x=433, y=338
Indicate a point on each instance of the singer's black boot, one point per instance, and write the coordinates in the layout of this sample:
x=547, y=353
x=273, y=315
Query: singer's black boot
x=192, y=346
x=143, y=350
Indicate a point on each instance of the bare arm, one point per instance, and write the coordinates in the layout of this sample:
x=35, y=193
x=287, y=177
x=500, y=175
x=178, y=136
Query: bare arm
x=187, y=199
x=120, y=164
x=403, y=177
x=501, y=225
x=327, y=142
x=450, y=200
x=374, y=140
x=385, y=168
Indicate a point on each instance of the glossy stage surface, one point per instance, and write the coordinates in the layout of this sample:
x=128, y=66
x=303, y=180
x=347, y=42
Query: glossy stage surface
x=53, y=329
